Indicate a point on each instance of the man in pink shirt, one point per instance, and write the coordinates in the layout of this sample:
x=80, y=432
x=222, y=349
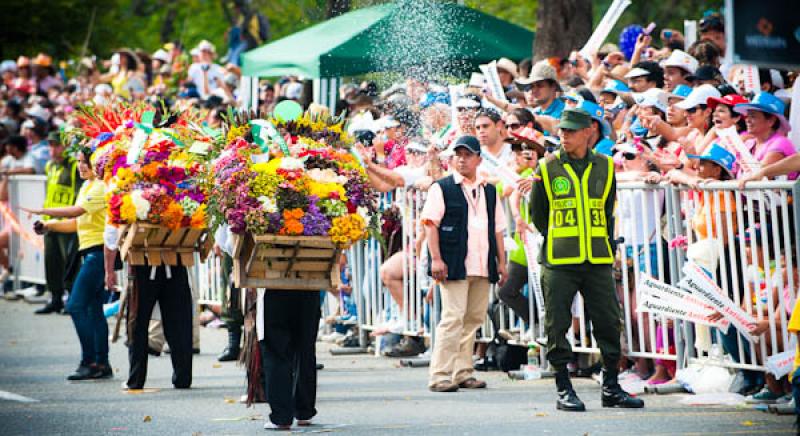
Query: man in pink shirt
x=464, y=224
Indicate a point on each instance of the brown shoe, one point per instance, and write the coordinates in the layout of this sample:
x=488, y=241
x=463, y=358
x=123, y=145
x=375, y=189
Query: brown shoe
x=443, y=386
x=472, y=383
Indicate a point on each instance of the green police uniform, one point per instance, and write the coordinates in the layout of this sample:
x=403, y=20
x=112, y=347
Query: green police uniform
x=573, y=208
x=572, y=204
x=60, y=249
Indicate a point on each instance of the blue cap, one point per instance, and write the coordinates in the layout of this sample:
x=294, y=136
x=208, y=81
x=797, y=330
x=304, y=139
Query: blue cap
x=615, y=87
x=596, y=112
x=432, y=98
x=768, y=103
x=719, y=155
x=681, y=91
x=572, y=96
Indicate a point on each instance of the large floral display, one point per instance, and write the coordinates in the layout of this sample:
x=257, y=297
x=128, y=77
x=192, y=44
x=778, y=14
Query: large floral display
x=292, y=178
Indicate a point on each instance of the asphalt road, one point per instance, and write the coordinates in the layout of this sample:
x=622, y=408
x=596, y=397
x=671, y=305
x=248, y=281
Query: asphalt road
x=357, y=395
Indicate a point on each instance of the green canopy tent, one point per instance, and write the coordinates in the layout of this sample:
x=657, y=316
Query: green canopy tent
x=437, y=37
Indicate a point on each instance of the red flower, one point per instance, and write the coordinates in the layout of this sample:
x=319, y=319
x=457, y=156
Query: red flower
x=351, y=208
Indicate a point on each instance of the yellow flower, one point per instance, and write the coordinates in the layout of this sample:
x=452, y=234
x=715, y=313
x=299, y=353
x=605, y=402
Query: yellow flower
x=124, y=178
x=127, y=211
x=270, y=167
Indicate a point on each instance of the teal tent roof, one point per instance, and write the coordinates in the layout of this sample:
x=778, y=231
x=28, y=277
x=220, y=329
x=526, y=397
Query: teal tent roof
x=445, y=37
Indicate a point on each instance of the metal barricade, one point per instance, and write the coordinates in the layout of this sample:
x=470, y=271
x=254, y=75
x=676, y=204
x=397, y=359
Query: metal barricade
x=751, y=251
x=25, y=249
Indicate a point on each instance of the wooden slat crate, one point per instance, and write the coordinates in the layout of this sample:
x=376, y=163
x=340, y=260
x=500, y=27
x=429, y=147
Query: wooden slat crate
x=303, y=263
x=148, y=244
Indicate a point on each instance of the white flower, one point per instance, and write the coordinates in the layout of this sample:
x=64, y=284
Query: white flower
x=268, y=204
x=364, y=212
x=142, y=206
x=326, y=176
x=291, y=163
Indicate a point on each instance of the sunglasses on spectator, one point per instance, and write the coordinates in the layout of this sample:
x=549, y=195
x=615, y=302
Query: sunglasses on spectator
x=514, y=126
x=629, y=156
x=467, y=109
x=696, y=108
x=524, y=88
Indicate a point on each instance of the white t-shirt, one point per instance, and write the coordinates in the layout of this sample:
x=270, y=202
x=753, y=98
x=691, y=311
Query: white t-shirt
x=196, y=76
x=640, y=213
x=504, y=158
x=410, y=174
x=10, y=163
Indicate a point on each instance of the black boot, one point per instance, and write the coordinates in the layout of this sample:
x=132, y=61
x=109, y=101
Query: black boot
x=49, y=308
x=614, y=396
x=232, y=351
x=567, y=398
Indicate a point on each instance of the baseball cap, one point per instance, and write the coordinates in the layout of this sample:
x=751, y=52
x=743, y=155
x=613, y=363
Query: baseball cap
x=719, y=155
x=698, y=96
x=681, y=59
x=728, y=100
x=637, y=72
x=574, y=119
x=653, y=97
x=596, y=112
x=615, y=87
x=469, y=142
x=681, y=91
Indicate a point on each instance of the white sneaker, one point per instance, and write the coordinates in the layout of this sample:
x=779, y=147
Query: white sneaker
x=270, y=426
x=27, y=292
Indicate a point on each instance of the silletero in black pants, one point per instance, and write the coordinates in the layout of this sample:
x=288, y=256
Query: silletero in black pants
x=175, y=299
x=291, y=321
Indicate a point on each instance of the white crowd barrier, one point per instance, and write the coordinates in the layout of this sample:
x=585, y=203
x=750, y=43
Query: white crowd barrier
x=651, y=221
x=25, y=250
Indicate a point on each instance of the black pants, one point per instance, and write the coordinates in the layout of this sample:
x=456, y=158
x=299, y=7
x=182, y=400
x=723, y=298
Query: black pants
x=175, y=298
x=291, y=320
x=60, y=253
x=511, y=292
x=231, y=297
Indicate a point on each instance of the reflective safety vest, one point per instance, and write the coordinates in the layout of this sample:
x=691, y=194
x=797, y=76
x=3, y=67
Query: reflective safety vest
x=577, y=229
x=61, y=188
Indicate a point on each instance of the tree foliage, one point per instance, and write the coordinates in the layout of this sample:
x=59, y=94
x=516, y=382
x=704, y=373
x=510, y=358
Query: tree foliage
x=59, y=27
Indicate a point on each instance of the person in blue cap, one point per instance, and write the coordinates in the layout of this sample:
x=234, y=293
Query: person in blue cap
x=767, y=126
x=612, y=89
x=715, y=164
x=601, y=130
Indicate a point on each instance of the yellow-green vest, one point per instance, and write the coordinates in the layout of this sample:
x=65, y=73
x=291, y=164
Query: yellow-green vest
x=577, y=230
x=58, y=193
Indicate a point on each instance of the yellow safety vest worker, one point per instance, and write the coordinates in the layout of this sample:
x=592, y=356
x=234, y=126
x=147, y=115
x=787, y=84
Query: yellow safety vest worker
x=577, y=229
x=61, y=187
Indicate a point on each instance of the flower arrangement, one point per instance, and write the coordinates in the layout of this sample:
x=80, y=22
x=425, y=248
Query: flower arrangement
x=158, y=185
x=318, y=188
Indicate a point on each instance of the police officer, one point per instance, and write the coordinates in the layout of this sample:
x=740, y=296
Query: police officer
x=60, y=249
x=572, y=205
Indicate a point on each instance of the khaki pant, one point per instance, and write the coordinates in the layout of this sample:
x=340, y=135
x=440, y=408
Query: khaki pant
x=464, y=305
x=156, y=339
